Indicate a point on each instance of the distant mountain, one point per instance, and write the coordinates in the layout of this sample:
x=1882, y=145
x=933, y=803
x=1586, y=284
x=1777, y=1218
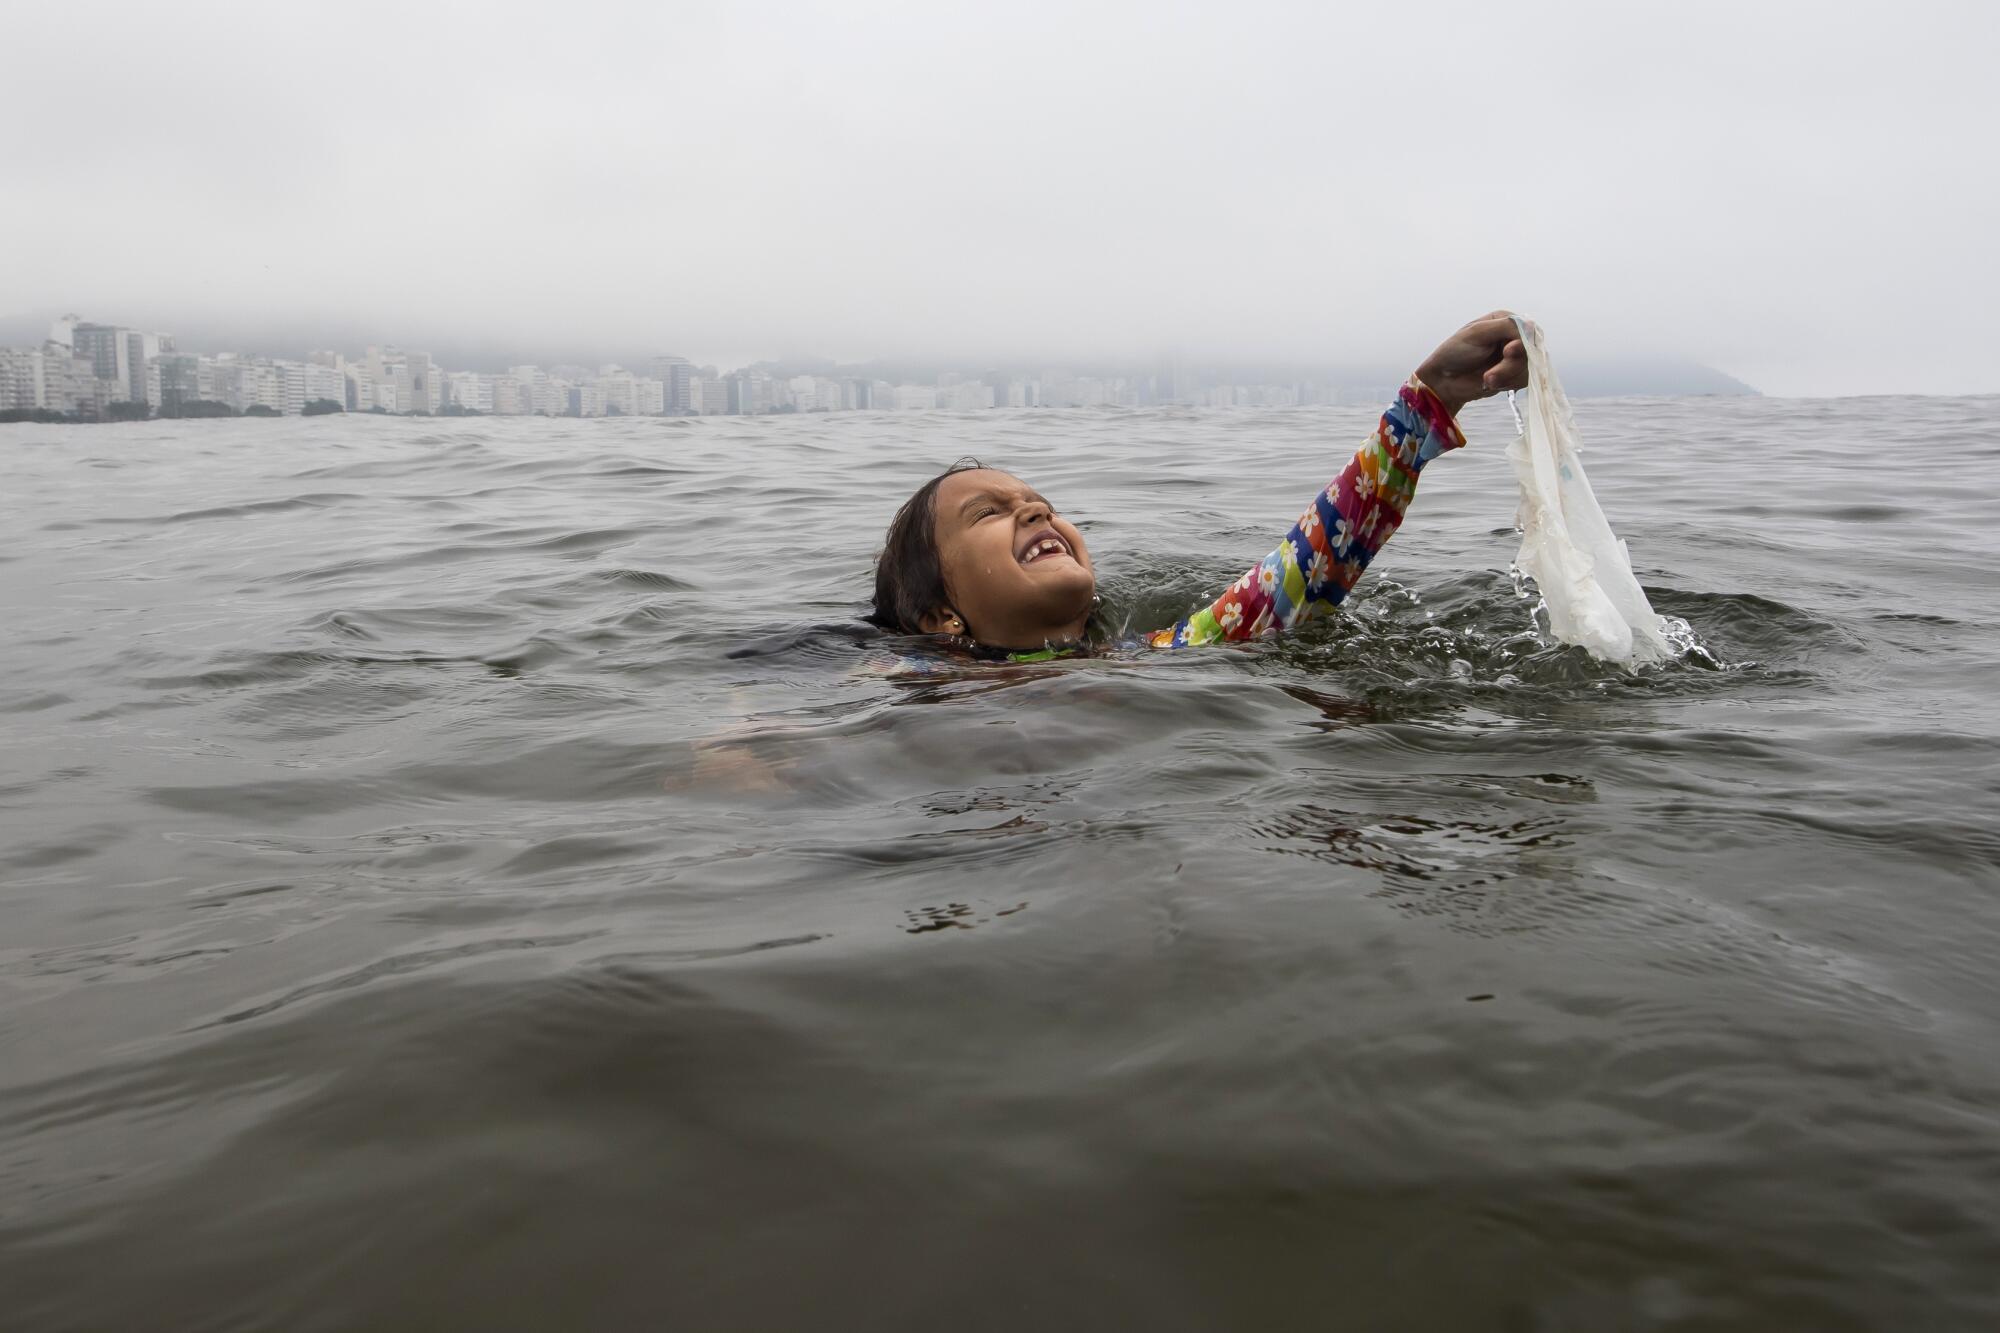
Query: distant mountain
x=1662, y=379
x=1582, y=378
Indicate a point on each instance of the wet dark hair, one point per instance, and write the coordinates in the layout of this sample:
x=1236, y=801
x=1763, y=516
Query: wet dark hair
x=909, y=574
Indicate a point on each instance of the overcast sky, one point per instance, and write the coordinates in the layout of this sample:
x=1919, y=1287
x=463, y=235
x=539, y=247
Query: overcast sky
x=1802, y=195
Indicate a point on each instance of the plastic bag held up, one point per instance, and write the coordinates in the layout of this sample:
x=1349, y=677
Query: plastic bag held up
x=1583, y=571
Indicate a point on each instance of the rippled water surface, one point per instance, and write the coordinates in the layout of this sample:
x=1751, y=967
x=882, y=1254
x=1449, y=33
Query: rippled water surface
x=480, y=874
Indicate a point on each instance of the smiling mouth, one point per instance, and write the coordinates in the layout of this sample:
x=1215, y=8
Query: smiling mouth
x=1044, y=547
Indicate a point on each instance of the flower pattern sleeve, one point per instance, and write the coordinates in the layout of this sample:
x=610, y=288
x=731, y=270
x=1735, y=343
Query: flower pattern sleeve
x=1322, y=557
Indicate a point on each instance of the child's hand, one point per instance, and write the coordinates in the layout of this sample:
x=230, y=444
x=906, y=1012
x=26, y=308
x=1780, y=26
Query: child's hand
x=1478, y=361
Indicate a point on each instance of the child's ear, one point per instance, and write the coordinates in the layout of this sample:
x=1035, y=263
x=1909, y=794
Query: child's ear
x=943, y=620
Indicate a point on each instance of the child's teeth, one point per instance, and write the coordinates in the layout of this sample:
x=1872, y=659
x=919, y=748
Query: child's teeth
x=1047, y=546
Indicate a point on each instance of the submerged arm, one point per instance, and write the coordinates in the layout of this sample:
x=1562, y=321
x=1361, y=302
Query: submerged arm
x=1322, y=557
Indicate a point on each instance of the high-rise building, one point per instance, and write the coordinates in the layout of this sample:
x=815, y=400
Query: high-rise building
x=179, y=382
x=109, y=352
x=965, y=396
x=119, y=355
x=405, y=381
x=50, y=379
x=134, y=366
x=471, y=392
x=364, y=392
x=325, y=383
x=620, y=391
x=539, y=392
x=507, y=397
x=290, y=377
x=261, y=386
x=20, y=379
x=426, y=384
x=71, y=385
x=677, y=373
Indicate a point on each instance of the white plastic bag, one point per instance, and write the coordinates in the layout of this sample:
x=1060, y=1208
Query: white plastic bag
x=1583, y=571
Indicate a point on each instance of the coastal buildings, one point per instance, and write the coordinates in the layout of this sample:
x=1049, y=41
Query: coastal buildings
x=51, y=378
x=92, y=370
x=676, y=376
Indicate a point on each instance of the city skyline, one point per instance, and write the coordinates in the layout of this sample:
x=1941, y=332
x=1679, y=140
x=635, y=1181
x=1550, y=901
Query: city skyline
x=87, y=370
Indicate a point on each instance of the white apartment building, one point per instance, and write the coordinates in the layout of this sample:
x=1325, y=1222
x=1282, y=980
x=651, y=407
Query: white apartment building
x=539, y=392
x=291, y=381
x=42, y=377
x=243, y=384
x=367, y=393
x=325, y=382
x=289, y=385
x=969, y=396
x=216, y=379
x=261, y=385
x=619, y=390
x=471, y=391
x=414, y=382
x=20, y=379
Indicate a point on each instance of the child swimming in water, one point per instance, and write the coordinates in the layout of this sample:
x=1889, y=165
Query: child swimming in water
x=978, y=556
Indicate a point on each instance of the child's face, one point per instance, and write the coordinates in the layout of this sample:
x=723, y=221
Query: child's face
x=1019, y=575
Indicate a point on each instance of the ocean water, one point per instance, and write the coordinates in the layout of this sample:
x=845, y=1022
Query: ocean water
x=480, y=874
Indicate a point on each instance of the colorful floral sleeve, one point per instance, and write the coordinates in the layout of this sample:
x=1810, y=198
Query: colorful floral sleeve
x=1321, y=558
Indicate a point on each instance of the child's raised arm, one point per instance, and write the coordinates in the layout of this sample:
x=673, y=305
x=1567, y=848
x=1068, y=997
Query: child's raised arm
x=1322, y=557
